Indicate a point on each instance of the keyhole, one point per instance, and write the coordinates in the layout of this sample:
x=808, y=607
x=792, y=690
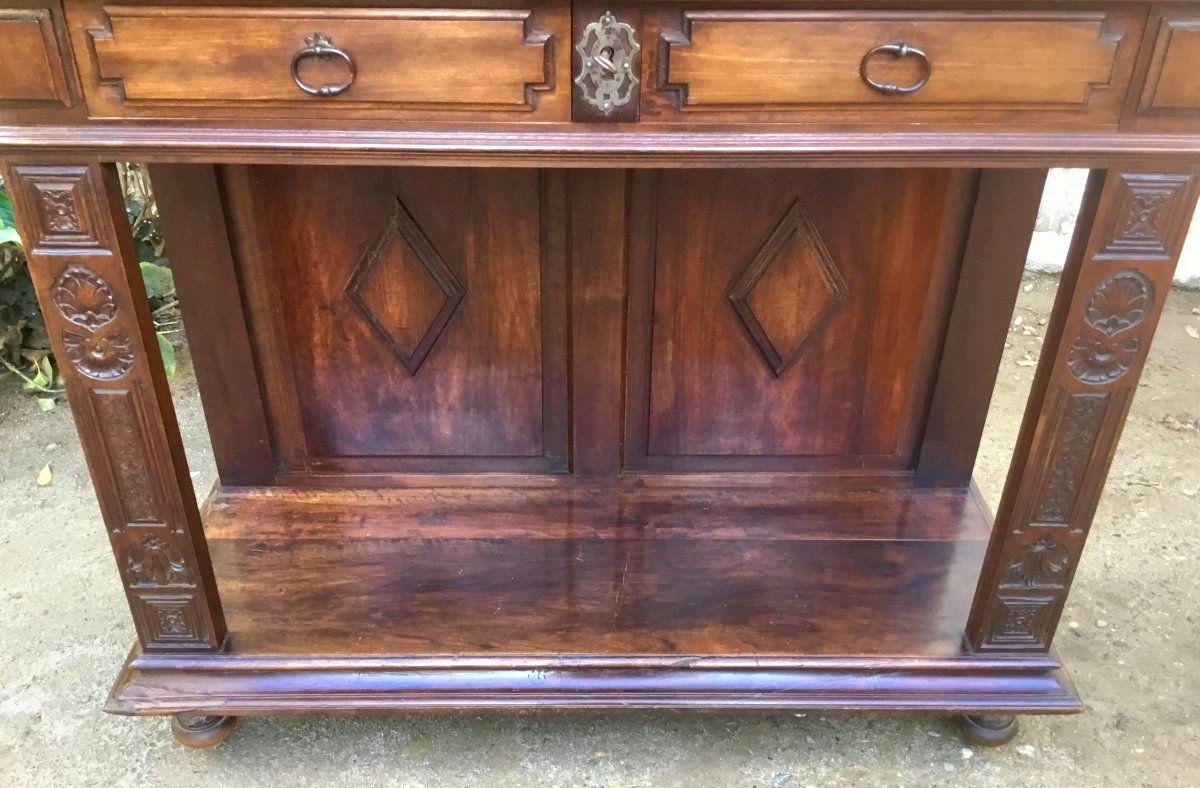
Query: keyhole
x=605, y=59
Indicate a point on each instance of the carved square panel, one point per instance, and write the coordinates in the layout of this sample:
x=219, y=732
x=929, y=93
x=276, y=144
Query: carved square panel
x=1021, y=622
x=1149, y=206
x=403, y=288
x=168, y=621
x=62, y=212
x=788, y=291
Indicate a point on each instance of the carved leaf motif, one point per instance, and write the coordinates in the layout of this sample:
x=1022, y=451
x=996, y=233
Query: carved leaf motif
x=1043, y=563
x=100, y=356
x=155, y=562
x=1100, y=359
x=1120, y=302
x=84, y=298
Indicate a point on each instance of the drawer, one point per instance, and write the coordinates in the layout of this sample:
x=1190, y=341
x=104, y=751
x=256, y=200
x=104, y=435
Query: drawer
x=957, y=66
x=189, y=61
x=31, y=68
x=1169, y=96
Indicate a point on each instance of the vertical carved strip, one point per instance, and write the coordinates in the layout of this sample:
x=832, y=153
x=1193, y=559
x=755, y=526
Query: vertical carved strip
x=1108, y=305
x=86, y=274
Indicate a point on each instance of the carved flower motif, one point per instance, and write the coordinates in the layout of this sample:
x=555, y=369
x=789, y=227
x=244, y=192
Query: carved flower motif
x=1100, y=359
x=1145, y=215
x=84, y=298
x=100, y=356
x=1119, y=302
x=59, y=210
x=172, y=621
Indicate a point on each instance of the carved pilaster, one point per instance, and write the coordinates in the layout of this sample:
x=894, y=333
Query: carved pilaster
x=72, y=221
x=1108, y=305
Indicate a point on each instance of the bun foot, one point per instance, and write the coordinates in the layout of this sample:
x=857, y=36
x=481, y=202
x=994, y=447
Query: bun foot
x=988, y=730
x=194, y=730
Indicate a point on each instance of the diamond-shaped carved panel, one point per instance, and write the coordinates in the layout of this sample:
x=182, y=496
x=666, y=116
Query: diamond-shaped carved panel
x=788, y=291
x=403, y=288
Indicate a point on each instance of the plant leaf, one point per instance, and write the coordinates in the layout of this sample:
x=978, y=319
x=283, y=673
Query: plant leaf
x=6, y=209
x=45, y=476
x=45, y=403
x=160, y=282
x=168, y=354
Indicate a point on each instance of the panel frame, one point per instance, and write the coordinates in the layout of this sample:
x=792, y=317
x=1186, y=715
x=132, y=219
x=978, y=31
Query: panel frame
x=636, y=457
x=295, y=462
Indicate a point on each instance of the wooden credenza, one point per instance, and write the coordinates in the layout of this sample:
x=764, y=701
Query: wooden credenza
x=592, y=356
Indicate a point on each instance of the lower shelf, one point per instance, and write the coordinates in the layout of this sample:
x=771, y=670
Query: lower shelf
x=593, y=598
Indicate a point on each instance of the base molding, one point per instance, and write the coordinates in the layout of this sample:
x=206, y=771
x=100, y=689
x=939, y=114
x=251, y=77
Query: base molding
x=245, y=685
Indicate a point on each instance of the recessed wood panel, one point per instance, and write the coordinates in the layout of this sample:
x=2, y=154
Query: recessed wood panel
x=369, y=269
x=31, y=70
x=1173, y=82
x=823, y=369
x=1062, y=64
x=236, y=61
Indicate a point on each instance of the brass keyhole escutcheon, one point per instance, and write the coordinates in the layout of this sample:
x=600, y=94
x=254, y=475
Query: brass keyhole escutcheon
x=607, y=78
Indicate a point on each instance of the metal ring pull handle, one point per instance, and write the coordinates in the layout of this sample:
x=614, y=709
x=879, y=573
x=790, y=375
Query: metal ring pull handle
x=319, y=46
x=897, y=50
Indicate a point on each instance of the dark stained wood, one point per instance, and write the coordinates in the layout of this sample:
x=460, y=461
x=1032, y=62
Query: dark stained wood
x=710, y=572
x=496, y=435
x=255, y=685
x=596, y=510
x=385, y=253
x=1111, y=295
x=193, y=223
x=599, y=202
x=706, y=391
x=89, y=285
x=190, y=61
x=1006, y=208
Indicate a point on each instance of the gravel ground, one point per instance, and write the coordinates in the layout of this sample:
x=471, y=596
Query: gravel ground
x=1130, y=640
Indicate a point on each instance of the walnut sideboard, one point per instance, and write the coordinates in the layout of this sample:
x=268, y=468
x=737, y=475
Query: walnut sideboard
x=598, y=356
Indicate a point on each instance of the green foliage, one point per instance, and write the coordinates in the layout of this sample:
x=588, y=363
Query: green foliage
x=8, y=228
x=24, y=345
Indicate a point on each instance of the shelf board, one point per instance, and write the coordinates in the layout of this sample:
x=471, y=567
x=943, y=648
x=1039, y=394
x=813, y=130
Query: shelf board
x=596, y=570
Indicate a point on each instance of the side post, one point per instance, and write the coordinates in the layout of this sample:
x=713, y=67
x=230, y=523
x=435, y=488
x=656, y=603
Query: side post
x=1129, y=236
x=71, y=218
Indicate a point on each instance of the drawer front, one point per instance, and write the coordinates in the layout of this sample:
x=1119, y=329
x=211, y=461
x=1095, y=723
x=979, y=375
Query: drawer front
x=31, y=69
x=931, y=65
x=265, y=62
x=1170, y=93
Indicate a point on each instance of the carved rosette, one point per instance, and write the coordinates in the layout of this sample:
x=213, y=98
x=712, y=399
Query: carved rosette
x=99, y=356
x=1118, y=304
x=85, y=300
